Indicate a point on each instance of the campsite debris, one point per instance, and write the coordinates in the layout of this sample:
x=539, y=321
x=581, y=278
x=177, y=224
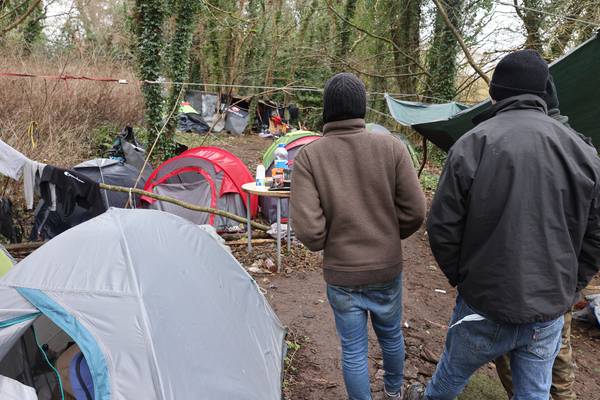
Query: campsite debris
x=228, y=236
x=270, y=265
x=429, y=356
x=432, y=268
x=440, y=291
x=258, y=271
x=25, y=246
x=21, y=250
x=253, y=241
x=431, y=323
x=273, y=231
x=379, y=374
x=406, y=324
x=411, y=372
x=591, y=313
x=426, y=369
x=590, y=290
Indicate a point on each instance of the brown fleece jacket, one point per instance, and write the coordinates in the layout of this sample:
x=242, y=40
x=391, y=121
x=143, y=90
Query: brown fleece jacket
x=355, y=195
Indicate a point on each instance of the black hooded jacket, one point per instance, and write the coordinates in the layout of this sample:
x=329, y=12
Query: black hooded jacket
x=515, y=222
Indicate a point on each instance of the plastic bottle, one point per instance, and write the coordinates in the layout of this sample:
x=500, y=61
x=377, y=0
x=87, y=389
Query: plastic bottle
x=280, y=168
x=281, y=156
x=260, y=175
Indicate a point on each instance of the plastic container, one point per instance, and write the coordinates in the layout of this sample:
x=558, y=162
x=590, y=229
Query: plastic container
x=260, y=175
x=280, y=169
x=281, y=157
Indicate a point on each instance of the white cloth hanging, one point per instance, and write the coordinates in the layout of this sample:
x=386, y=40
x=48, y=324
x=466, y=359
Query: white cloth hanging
x=11, y=161
x=32, y=172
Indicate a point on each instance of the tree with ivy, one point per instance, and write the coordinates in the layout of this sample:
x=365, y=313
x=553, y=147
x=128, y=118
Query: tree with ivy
x=179, y=55
x=14, y=14
x=442, y=55
x=32, y=29
x=149, y=18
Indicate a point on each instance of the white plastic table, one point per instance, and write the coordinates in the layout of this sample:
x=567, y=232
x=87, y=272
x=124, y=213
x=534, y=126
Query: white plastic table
x=264, y=191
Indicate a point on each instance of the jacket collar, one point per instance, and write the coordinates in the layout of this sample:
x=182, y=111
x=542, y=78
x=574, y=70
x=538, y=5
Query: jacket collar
x=520, y=102
x=344, y=127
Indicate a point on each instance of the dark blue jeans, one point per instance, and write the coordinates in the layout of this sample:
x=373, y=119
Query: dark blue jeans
x=351, y=308
x=473, y=341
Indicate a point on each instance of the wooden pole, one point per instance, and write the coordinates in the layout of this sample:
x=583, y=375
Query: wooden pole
x=183, y=204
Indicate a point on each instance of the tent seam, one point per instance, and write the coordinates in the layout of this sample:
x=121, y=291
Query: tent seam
x=147, y=335
x=78, y=291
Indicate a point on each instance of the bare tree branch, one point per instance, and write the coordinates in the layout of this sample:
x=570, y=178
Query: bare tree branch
x=20, y=20
x=461, y=42
x=384, y=39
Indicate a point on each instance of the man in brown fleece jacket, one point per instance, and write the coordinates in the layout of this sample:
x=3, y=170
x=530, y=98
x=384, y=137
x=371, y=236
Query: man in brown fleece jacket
x=355, y=195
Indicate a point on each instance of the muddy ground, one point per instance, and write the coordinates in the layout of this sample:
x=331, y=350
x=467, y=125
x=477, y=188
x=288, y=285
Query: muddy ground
x=299, y=299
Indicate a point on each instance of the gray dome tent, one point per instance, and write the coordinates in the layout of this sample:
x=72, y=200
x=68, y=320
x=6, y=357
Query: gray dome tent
x=158, y=307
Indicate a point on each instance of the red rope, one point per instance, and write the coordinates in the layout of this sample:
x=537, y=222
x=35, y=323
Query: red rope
x=63, y=77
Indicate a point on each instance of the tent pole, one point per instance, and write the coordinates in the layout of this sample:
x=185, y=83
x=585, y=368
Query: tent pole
x=183, y=204
x=424, y=162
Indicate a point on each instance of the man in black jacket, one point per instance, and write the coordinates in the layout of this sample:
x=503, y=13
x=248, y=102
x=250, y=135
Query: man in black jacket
x=515, y=225
x=563, y=369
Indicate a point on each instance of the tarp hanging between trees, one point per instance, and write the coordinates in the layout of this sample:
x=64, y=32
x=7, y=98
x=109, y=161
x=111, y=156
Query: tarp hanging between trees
x=577, y=79
x=410, y=113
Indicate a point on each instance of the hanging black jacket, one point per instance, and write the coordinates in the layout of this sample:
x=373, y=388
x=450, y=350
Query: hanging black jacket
x=515, y=222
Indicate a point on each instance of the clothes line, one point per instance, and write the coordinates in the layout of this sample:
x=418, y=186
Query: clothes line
x=290, y=88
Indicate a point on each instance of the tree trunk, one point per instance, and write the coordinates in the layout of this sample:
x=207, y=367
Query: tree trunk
x=149, y=17
x=442, y=54
x=405, y=33
x=345, y=30
x=179, y=63
x=275, y=43
x=565, y=30
x=532, y=20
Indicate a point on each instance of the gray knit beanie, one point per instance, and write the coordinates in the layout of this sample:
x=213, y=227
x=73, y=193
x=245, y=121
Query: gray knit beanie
x=345, y=97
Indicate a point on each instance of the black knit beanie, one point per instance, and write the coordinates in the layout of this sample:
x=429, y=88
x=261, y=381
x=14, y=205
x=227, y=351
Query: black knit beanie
x=518, y=73
x=551, y=97
x=345, y=97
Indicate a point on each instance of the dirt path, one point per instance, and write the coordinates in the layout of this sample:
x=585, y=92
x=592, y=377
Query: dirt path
x=298, y=296
x=299, y=299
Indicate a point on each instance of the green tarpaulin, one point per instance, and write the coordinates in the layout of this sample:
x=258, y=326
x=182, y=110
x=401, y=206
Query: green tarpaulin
x=410, y=113
x=577, y=79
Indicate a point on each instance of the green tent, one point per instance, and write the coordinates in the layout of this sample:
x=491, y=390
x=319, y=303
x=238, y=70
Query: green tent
x=269, y=155
x=577, y=79
x=6, y=261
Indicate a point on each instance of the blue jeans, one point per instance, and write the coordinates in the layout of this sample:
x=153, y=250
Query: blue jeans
x=351, y=308
x=472, y=344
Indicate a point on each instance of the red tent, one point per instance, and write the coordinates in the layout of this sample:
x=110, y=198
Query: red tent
x=206, y=176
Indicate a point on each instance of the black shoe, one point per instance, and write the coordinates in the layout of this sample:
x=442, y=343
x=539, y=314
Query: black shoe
x=416, y=391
